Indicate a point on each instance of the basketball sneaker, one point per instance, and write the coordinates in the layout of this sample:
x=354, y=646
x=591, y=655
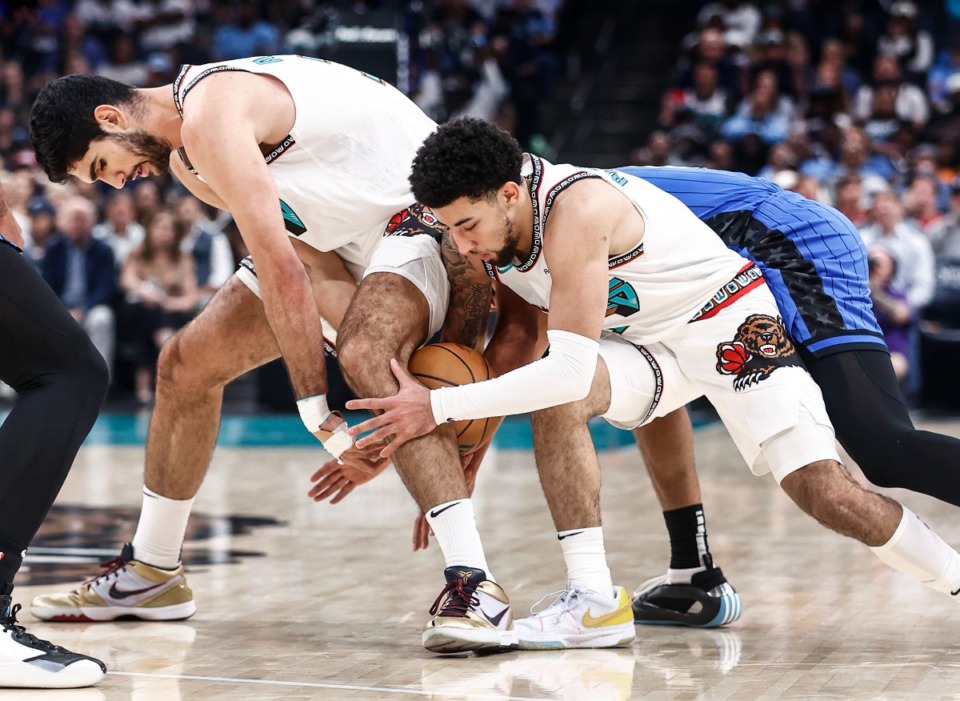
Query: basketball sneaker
x=471, y=613
x=127, y=588
x=707, y=602
x=30, y=663
x=578, y=618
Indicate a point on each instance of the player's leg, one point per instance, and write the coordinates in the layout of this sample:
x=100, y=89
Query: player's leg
x=873, y=425
x=694, y=592
x=400, y=304
x=590, y=612
x=61, y=381
x=228, y=338
x=776, y=416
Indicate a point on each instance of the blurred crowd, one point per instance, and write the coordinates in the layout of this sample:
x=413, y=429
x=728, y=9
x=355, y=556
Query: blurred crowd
x=134, y=266
x=854, y=103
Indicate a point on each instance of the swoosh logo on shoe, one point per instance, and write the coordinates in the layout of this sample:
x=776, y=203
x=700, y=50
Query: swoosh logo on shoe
x=591, y=622
x=437, y=512
x=116, y=593
x=495, y=620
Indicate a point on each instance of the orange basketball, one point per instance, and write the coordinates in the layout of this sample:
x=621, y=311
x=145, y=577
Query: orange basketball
x=448, y=365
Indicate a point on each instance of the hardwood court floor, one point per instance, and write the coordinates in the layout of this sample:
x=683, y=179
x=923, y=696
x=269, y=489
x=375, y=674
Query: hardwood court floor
x=334, y=606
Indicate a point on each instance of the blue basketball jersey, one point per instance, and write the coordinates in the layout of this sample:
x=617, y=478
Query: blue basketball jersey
x=812, y=256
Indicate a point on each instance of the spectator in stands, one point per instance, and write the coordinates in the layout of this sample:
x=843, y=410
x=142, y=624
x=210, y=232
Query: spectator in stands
x=43, y=226
x=123, y=64
x=706, y=99
x=881, y=121
x=915, y=274
x=212, y=257
x=892, y=309
x=921, y=200
x=245, y=34
x=947, y=64
x=913, y=47
x=910, y=103
x=710, y=48
x=740, y=17
x=946, y=125
x=81, y=270
x=765, y=112
x=147, y=201
x=832, y=54
x=120, y=230
x=856, y=158
x=849, y=199
x=160, y=287
x=163, y=24
x=946, y=239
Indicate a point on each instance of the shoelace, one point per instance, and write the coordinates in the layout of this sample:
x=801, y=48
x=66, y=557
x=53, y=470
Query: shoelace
x=110, y=568
x=564, y=600
x=460, y=597
x=20, y=633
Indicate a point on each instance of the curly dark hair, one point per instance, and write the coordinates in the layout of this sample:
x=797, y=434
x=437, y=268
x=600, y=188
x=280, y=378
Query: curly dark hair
x=62, y=125
x=464, y=158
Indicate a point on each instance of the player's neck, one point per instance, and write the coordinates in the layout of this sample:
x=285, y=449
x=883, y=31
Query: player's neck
x=160, y=116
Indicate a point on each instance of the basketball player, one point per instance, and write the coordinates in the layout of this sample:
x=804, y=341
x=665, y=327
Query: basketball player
x=814, y=262
x=311, y=158
x=61, y=381
x=647, y=309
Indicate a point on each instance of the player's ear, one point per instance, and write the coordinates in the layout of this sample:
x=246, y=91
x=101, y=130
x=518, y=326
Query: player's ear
x=510, y=192
x=110, y=117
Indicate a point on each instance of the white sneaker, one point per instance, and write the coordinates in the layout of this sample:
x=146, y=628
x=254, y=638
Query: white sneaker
x=30, y=663
x=578, y=618
x=471, y=613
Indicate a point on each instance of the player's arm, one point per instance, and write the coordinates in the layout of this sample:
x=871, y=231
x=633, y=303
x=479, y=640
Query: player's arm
x=470, y=296
x=222, y=133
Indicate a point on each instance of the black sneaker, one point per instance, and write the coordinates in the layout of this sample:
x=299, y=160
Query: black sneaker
x=30, y=663
x=707, y=602
x=471, y=613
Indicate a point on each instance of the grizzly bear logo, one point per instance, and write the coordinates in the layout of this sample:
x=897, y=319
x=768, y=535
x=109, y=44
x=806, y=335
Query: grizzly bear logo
x=760, y=347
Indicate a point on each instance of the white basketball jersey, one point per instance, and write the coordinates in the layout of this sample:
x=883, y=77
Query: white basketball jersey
x=342, y=171
x=677, y=269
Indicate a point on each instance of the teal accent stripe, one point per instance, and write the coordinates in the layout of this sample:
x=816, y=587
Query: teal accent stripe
x=287, y=430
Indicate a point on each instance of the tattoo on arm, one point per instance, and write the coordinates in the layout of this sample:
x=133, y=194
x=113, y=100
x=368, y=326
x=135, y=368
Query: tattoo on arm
x=470, y=296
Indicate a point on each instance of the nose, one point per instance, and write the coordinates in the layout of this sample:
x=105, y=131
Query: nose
x=117, y=180
x=464, y=245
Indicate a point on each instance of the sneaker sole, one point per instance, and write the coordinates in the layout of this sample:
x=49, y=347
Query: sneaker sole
x=621, y=636
x=729, y=611
x=467, y=640
x=98, y=614
x=73, y=676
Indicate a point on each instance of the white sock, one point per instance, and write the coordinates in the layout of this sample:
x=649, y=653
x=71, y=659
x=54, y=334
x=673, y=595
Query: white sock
x=586, y=559
x=684, y=576
x=455, y=527
x=916, y=550
x=159, y=536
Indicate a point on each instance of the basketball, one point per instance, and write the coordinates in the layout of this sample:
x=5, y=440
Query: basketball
x=448, y=365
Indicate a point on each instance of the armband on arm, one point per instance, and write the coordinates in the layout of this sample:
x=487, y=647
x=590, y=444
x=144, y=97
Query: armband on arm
x=565, y=375
x=314, y=412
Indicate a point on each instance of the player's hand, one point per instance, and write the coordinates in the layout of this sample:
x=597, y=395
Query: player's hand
x=338, y=480
x=421, y=533
x=406, y=415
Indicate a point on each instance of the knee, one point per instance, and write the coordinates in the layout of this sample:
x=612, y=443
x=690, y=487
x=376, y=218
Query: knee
x=173, y=370
x=365, y=364
x=822, y=489
x=569, y=414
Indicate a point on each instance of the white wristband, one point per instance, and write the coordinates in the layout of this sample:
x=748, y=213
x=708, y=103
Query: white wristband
x=339, y=441
x=313, y=411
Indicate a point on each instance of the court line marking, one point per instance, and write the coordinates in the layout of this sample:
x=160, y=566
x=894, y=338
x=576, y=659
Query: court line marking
x=321, y=685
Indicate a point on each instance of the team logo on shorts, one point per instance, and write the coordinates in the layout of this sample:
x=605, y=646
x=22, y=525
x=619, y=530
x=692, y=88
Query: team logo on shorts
x=760, y=347
x=415, y=220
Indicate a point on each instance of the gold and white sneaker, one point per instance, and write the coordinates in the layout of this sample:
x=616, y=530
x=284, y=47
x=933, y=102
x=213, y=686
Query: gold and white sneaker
x=471, y=613
x=127, y=588
x=578, y=618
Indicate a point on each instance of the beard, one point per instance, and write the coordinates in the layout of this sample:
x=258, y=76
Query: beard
x=153, y=151
x=508, y=252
